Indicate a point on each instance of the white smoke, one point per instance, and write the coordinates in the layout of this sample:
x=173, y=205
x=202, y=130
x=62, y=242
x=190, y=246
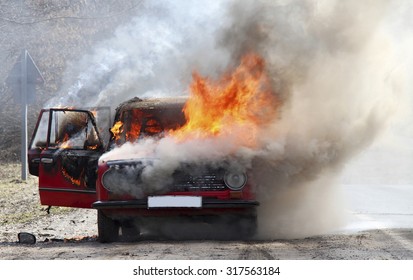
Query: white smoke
x=331, y=63
x=151, y=56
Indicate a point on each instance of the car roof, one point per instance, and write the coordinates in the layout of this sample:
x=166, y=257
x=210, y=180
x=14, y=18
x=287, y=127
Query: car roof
x=153, y=103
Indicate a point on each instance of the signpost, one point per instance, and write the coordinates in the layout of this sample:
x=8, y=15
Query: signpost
x=23, y=79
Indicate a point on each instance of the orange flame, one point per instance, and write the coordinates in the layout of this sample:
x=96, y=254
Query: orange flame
x=241, y=99
x=92, y=147
x=117, y=129
x=74, y=181
x=64, y=143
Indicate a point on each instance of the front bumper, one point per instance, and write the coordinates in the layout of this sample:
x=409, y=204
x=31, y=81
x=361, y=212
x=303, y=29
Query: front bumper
x=143, y=204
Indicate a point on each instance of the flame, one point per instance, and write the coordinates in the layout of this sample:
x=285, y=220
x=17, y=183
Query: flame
x=132, y=134
x=240, y=103
x=241, y=99
x=92, y=147
x=77, y=239
x=74, y=181
x=152, y=127
x=116, y=130
x=65, y=142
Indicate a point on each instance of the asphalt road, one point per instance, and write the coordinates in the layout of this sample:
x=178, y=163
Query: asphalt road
x=379, y=206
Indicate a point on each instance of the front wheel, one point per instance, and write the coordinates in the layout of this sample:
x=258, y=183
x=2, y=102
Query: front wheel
x=108, y=229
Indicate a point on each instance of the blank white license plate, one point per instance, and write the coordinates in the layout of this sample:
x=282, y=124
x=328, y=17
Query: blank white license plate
x=174, y=201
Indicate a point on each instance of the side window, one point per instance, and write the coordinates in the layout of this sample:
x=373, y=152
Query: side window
x=92, y=139
x=103, y=122
x=40, y=138
x=72, y=130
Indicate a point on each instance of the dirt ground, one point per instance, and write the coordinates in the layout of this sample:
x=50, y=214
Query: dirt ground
x=22, y=212
x=72, y=234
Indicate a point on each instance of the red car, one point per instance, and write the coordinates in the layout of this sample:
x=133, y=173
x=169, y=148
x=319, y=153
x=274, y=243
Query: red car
x=65, y=153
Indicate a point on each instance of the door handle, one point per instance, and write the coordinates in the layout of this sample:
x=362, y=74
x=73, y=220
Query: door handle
x=46, y=160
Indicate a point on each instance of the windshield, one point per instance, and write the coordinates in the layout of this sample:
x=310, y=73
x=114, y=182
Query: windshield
x=135, y=124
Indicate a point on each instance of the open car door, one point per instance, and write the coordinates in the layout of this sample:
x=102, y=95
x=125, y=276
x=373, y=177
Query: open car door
x=64, y=153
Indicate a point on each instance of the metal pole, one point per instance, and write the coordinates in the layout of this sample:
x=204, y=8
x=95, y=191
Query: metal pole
x=24, y=115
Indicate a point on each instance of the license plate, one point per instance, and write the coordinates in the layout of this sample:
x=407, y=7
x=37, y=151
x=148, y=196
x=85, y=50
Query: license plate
x=174, y=201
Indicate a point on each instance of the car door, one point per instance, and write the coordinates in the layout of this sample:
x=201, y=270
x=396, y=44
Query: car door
x=64, y=153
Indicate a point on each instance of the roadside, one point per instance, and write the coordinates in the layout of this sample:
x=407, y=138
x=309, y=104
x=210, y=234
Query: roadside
x=22, y=212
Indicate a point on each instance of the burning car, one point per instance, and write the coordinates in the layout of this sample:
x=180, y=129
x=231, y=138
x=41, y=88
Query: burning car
x=132, y=173
x=67, y=153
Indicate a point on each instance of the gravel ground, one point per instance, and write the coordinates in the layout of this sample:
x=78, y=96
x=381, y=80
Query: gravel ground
x=22, y=212
x=67, y=233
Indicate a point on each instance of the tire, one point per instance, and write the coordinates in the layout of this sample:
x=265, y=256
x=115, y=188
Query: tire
x=108, y=229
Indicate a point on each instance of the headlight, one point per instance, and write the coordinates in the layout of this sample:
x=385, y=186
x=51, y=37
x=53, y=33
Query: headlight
x=235, y=181
x=111, y=178
x=121, y=180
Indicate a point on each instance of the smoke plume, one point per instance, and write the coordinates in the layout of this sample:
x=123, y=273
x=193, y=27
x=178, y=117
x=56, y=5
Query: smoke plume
x=331, y=66
x=151, y=56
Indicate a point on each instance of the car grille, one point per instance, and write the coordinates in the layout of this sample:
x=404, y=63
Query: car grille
x=188, y=178
x=204, y=182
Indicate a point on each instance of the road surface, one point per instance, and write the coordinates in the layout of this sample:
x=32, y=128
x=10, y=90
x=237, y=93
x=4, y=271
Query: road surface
x=380, y=227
